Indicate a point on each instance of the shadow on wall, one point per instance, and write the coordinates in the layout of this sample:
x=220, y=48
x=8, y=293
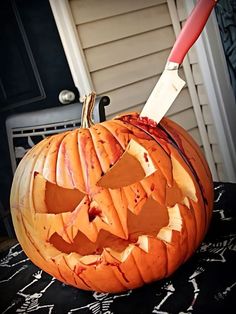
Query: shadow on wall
x=226, y=16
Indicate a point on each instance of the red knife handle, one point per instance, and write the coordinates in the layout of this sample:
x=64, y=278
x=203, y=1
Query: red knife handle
x=191, y=30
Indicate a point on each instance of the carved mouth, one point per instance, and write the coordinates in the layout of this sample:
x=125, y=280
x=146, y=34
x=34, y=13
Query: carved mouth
x=148, y=222
x=62, y=225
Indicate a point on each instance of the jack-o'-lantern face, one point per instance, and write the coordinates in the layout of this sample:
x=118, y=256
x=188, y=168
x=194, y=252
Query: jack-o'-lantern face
x=111, y=207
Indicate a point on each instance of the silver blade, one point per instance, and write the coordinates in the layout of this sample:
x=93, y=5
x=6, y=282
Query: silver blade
x=163, y=95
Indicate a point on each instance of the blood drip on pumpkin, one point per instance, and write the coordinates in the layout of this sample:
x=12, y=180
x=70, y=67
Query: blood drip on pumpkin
x=158, y=132
x=93, y=213
x=147, y=121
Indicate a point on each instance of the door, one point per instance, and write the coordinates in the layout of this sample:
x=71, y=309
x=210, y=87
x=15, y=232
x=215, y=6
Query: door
x=33, y=70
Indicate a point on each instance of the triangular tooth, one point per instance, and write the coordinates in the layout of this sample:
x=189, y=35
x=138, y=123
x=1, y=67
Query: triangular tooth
x=46, y=249
x=70, y=234
x=55, y=223
x=143, y=243
x=74, y=231
x=121, y=256
x=90, y=259
x=72, y=260
x=65, y=236
x=175, y=223
x=60, y=226
x=108, y=205
x=121, y=204
x=175, y=219
x=165, y=234
x=108, y=258
x=186, y=202
x=82, y=221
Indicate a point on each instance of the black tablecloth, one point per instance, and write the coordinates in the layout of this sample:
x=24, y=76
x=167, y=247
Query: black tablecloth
x=205, y=284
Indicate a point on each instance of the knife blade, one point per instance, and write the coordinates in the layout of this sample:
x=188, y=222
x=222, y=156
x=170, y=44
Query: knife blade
x=170, y=84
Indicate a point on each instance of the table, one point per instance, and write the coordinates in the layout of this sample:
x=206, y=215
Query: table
x=204, y=284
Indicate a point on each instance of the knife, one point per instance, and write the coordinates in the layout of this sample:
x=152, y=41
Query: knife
x=170, y=84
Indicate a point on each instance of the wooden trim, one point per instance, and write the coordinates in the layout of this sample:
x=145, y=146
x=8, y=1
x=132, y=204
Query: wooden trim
x=72, y=46
x=193, y=94
x=218, y=88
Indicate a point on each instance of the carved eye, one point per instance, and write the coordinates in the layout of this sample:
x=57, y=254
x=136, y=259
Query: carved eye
x=51, y=198
x=134, y=165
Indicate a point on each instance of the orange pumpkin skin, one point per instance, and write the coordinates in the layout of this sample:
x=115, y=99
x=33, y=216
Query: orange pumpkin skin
x=81, y=218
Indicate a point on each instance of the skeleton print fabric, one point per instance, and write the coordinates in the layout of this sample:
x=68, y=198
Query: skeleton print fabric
x=205, y=284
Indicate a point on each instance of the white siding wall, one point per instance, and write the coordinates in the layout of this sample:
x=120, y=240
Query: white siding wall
x=126, y=44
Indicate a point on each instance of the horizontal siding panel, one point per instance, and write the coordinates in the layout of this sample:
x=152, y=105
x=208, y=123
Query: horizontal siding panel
x=128, y=96
x=129, y=48
x=122, y=26
x=89, y=10
x=182, y=102
x=186, y=119
x=196, y=135
x=126, y=73
x=124, y=98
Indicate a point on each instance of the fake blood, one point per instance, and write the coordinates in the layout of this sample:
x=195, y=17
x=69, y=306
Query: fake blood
x=147, y=121
x=158, y=131
x=93, y=213
x=145, y=155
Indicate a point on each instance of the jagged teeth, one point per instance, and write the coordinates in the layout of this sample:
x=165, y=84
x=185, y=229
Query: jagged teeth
x=72, y=260
x=143, y=243
x=90, y=259
x=175, y=219
x=165, y=234
x=175, y=223
x=186, y=202
x=121, y=256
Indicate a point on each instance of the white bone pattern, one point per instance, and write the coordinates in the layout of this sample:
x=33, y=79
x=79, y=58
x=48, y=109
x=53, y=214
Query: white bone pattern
x=219, y=193
x=222, y=295
x=170, y=290
x=196, y=290
x=218, y=249
x=6, y=261
x=31, y=301
x=102, y=303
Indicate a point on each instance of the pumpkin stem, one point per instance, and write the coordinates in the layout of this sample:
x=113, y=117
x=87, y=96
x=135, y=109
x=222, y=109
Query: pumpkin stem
x=87, y=110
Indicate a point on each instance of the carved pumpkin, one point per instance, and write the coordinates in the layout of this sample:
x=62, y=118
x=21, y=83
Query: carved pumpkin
x=114, y=205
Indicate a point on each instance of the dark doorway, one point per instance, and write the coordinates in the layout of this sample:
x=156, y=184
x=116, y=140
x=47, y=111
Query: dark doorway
x=33, y=70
